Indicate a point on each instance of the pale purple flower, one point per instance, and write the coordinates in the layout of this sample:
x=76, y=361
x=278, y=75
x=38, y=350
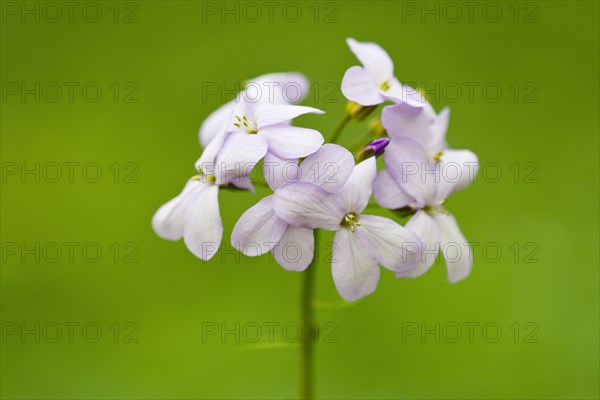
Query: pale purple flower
x=429, y=129
x=259, y=230
x=361, y=242
x=374, y=82
x=275, y=88
x=270, y=124
x=412, y=180
x=194, y=214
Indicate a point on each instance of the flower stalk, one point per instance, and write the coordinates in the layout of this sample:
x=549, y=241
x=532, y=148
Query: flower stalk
x=338, y=129
x=309, y=334
x=307, y=304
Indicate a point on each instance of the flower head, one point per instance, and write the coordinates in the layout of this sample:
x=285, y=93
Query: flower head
x=362, y=242
x=374, y=82
x=271, y=124
x=194, y=214
x=428, y=129
x=259, y=230
x=412, y=180
x=275, y=88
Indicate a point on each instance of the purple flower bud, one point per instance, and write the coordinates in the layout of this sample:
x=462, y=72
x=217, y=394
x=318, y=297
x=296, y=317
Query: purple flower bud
x=377, y=146
x=373, y=148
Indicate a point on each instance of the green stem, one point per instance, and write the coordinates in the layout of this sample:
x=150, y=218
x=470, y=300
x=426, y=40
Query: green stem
x=361, y=141
x=338, y=129
x=308, y=326
x=307, y=304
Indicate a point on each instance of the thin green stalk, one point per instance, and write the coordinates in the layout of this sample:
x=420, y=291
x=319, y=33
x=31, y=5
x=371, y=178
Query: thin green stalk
x=307, y=304
x=309, y=329
x=358, y=143
x=307, y=379
x=338, y=129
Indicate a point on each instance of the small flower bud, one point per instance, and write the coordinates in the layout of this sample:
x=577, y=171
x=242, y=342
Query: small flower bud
x=376, y=128
x=373, y=148
x=357, y=111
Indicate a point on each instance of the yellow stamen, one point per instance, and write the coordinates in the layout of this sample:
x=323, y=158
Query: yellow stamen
x=350, y=220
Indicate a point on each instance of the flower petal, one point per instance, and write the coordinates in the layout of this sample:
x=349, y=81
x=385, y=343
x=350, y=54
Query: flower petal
x=402, y=120
x=238, y=157
x=168, y=221
x=258, y=229
x=388, y=193
x=307, y=205
x=439, y=128
x=291, y=142
x=395, y=247
x=407, y=164
x=278, y=171
x=424, y=226
x=329, y=167
x=455, y=248
x=210, y=152
x=356, y=192
x=244, y=183
x=355, y=272
x=203, y=229
x=376, y=60
x=404, y=94
x=295, y=250
x=458, y=168
x=215, y=123
x=272, y=114
x=358, y=86
x=278, y=87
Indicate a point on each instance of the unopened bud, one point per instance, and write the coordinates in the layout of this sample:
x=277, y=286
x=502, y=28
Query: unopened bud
x=373, y=148
x=376, y=128
x=358, y=111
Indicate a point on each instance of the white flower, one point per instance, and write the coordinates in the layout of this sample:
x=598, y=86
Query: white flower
x=429, y=129
x=361, y=242
x=374, y=82
x=270, y=124
x=412, y=180
x=259, y=230
x=194, y=214
x=276, y=88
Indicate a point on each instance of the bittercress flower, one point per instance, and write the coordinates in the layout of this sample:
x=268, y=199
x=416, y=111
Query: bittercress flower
x=362, y=242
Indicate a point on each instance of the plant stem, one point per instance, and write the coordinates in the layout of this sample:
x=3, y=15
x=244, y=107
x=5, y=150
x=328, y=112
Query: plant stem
x=308, y=327
x=358, y=143
x=338, y=129
x=307, y=304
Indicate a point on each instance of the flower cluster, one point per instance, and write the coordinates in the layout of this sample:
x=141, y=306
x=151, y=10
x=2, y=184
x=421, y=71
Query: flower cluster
x=324, y=186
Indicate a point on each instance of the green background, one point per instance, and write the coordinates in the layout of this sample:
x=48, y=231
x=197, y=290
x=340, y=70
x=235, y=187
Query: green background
x=169, y=55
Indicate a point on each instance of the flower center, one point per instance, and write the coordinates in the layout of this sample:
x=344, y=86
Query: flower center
x=350, y=220
x=439, y=208
x=204, y=177
x=385, y=85
x=437, y=157
x=248, y=125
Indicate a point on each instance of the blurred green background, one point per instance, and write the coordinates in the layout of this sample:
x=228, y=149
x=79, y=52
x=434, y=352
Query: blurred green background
x=153, y=300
